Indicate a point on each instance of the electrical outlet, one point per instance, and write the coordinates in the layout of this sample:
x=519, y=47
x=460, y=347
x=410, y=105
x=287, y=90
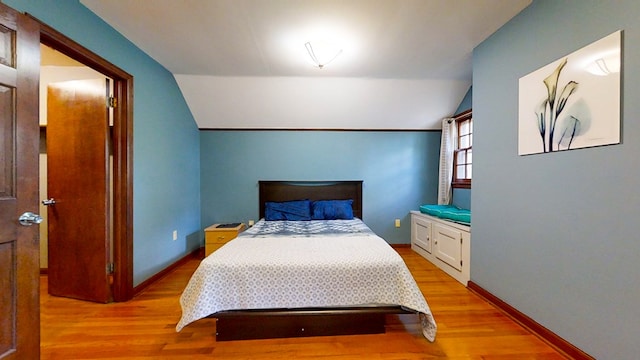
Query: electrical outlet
x=175, y=235
x=397, y=222
x=251, y=222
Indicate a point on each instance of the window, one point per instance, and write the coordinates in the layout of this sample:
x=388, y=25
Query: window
x=462, y=154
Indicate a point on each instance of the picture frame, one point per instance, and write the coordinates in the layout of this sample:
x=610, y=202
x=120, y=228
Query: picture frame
x=573, y=102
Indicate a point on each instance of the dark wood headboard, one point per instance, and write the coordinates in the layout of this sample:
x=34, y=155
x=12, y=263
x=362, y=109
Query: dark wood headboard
x=312, y=190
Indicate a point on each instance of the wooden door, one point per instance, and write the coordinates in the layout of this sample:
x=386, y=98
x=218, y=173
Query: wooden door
x=19, y=137
x=77, y=180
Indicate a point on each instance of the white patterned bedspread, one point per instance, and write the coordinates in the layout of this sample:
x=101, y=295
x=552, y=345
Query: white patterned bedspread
x=341, y=228
x=256, y=271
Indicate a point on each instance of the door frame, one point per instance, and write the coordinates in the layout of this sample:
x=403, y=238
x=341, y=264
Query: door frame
x=122, y=154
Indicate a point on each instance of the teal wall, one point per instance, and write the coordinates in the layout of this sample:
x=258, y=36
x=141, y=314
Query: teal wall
x=556, y=235
x=467, y=101
x=166, y=164
x=461, y=198
x=399, y=170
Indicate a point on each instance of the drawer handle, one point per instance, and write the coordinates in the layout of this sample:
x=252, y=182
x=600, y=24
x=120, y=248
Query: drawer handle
x=220, y=237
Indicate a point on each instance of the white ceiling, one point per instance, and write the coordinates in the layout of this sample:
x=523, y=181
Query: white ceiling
x=428, y=40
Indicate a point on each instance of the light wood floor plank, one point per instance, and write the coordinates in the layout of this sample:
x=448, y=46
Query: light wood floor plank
x=144, y=328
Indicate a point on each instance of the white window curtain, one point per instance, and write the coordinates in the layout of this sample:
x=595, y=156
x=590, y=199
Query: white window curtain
x=447, y=146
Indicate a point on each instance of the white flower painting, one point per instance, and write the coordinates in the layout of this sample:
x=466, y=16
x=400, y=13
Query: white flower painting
x=573, y=102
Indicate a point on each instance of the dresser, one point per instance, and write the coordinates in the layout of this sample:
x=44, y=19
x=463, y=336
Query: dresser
x=444, y=243
x=215, y=236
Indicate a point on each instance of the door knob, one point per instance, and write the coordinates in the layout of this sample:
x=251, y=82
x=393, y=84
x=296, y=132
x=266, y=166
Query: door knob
x=48, y=202
x=29, y=218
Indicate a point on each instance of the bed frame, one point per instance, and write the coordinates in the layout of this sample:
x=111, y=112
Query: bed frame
x=301, y=322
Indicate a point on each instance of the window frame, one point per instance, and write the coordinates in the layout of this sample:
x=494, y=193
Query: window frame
x=459, y=119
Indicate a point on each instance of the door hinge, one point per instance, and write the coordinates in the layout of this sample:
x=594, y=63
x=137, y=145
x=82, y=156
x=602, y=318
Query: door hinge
x=110, y=268
x=112, y=102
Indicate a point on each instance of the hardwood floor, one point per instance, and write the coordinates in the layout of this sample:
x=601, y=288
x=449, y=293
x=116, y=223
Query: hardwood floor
x=144, y=328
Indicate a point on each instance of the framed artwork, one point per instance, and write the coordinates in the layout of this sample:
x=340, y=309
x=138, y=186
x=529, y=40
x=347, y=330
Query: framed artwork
x=573, y=102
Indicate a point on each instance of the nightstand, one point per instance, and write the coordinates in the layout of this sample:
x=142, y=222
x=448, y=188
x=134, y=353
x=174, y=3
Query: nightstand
x=215, y=237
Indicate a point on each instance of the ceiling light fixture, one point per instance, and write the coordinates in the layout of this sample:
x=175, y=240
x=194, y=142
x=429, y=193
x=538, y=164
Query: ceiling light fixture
x=602, y=65
x=605, y=65
x=322, y=54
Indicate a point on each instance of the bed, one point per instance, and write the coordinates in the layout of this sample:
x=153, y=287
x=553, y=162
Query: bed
x=312, y=277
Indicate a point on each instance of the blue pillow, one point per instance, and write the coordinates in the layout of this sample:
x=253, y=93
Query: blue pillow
x=332, y=210
x=297, y=210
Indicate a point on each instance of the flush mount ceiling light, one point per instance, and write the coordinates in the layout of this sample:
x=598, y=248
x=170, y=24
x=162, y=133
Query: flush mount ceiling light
x=604, y=64
x=322, y=53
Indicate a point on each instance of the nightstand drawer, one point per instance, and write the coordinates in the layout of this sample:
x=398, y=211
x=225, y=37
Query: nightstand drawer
x=215, y=237
x=219, y=237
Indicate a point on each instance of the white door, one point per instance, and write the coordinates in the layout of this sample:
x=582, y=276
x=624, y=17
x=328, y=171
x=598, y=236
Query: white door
x=448, y=245
x=422, y=234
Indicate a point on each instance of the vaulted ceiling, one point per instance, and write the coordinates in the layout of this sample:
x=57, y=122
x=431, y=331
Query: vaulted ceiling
x=419, y=47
